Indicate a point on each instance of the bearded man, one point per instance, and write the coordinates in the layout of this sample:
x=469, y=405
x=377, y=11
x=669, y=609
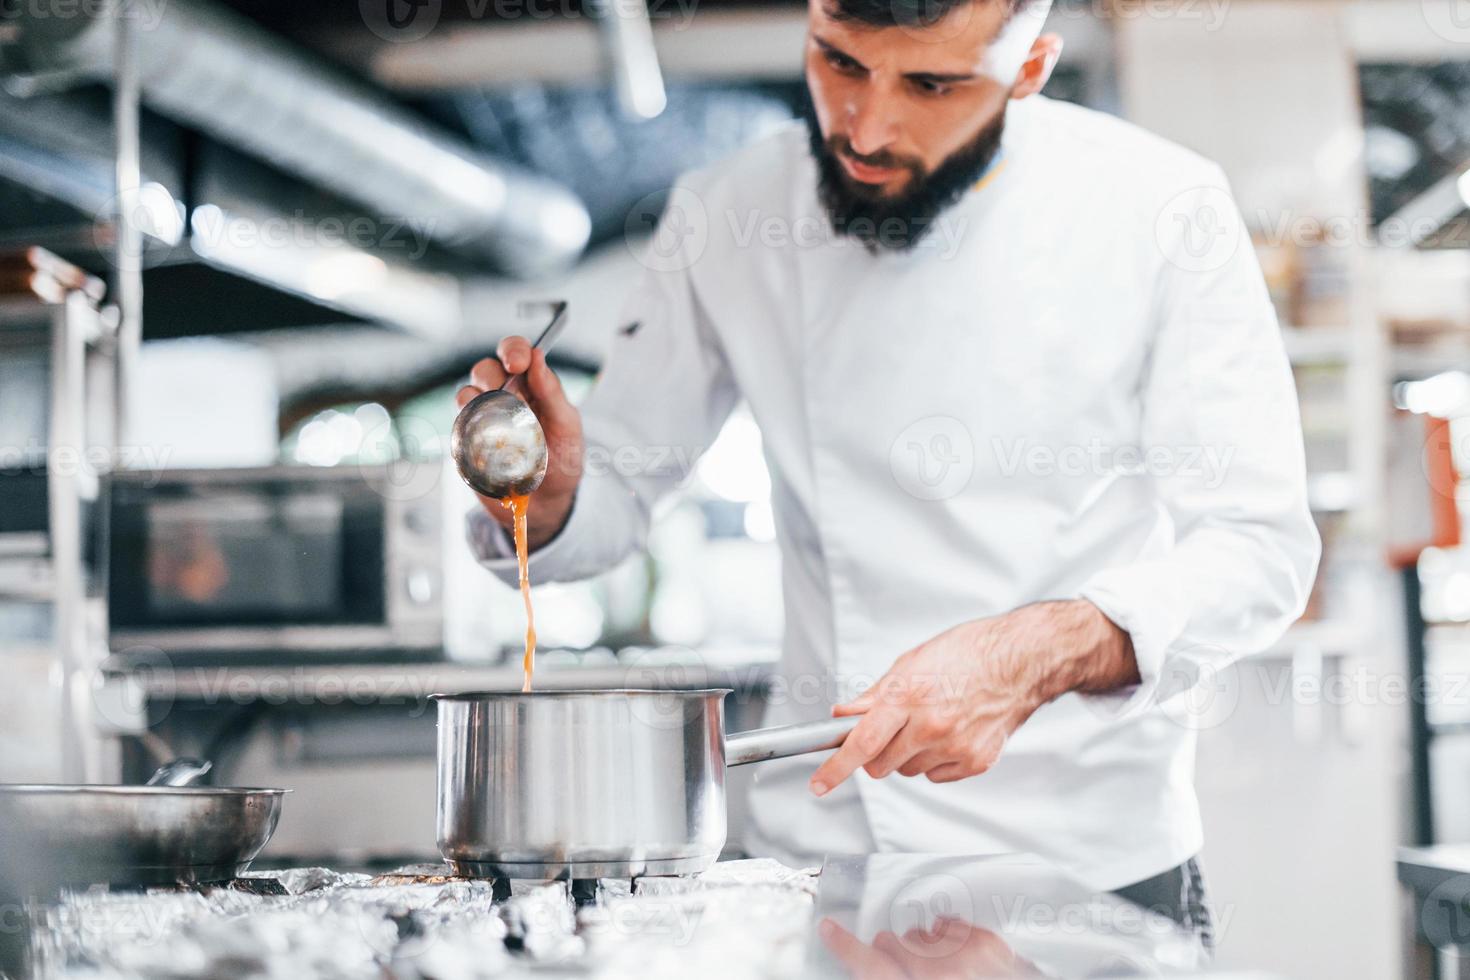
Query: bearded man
x=1035, y=456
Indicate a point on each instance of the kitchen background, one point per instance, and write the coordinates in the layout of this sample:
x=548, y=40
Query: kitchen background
x=330, y=210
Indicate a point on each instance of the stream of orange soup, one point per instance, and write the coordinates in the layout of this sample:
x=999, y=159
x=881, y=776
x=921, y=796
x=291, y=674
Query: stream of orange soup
x=519, y=504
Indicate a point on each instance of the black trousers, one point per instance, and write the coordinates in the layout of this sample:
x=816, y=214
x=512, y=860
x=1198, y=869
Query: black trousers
x=1178, y=894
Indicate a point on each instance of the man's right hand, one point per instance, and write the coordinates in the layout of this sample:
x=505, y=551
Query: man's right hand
x=560, y=420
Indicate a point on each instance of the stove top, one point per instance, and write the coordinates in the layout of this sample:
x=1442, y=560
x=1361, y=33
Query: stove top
x=883, y=914
x=423, y=921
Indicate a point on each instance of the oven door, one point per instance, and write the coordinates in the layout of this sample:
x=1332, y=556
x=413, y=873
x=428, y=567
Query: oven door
x=261, y=560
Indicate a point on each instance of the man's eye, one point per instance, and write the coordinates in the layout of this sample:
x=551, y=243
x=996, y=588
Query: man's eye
x=928, y=87
x=843, y=63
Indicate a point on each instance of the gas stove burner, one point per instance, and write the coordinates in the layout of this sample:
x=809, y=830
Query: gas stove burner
x=420, y=874
x=260, y=886
x=584, y=891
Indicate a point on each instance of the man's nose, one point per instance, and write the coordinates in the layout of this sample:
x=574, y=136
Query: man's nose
x=870, y=125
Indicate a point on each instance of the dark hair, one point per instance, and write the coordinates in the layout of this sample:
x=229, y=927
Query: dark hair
x=905, y=13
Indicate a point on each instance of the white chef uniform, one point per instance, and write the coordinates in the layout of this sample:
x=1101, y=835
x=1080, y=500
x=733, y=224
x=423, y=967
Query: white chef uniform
x=1075, y=387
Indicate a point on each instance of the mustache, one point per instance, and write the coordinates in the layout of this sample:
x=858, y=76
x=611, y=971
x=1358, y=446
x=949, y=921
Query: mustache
x=860, y=211
x=840, y=145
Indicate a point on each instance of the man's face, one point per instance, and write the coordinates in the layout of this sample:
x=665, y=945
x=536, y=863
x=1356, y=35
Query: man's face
x=895, y=103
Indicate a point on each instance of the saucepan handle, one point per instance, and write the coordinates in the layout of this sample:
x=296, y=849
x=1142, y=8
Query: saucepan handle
x=778, y=743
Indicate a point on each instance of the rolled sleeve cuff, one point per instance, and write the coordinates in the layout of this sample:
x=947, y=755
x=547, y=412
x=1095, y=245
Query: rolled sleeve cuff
x=1140, y=605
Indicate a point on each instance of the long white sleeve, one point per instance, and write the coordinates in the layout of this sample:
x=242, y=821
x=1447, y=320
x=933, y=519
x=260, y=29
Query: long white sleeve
x=660, y=400
x=1221, y=440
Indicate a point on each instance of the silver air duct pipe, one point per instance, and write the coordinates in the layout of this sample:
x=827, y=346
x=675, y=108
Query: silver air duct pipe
x=212, y=69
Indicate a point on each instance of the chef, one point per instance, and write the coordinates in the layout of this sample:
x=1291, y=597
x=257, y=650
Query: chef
x=1035, y=455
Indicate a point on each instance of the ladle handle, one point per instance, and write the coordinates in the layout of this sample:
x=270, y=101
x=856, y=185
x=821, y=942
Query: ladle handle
x=548, y=336
x=778, y=743
x=180, y=772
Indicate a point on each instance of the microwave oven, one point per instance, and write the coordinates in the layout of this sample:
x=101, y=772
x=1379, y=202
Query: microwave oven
x=278, y=559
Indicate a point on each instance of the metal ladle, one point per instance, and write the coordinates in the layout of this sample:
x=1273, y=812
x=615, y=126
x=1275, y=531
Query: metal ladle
x=497, y=442
x=180, y=772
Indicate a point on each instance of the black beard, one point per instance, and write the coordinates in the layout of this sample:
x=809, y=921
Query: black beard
x=898, y=223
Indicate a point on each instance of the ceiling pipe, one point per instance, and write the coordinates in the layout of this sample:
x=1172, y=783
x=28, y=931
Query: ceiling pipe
x=216, y=71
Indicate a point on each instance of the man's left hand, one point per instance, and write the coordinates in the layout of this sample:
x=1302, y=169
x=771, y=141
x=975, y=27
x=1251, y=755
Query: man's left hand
x=946, y=707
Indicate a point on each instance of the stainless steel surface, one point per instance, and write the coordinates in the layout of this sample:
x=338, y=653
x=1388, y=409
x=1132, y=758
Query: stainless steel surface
x=496, y=442
x=743, y=748
x=998, y=915
x=133, y=834
x=180, y=772
x=213, y=69
x=589, y=784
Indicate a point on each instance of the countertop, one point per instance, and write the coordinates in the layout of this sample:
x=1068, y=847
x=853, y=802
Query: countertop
x=878, y=915
x=1439, y=877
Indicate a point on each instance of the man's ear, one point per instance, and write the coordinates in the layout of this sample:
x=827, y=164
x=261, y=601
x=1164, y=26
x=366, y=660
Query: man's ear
x=1038, y=66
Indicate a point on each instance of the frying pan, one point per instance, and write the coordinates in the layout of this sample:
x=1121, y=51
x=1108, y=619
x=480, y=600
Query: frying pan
x=595, y=784
x=55, y=835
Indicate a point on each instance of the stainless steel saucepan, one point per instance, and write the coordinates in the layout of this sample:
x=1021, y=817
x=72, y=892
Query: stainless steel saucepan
x=595, y=784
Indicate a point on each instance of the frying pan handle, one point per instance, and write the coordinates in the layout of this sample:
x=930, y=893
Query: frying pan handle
x=778, y=743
